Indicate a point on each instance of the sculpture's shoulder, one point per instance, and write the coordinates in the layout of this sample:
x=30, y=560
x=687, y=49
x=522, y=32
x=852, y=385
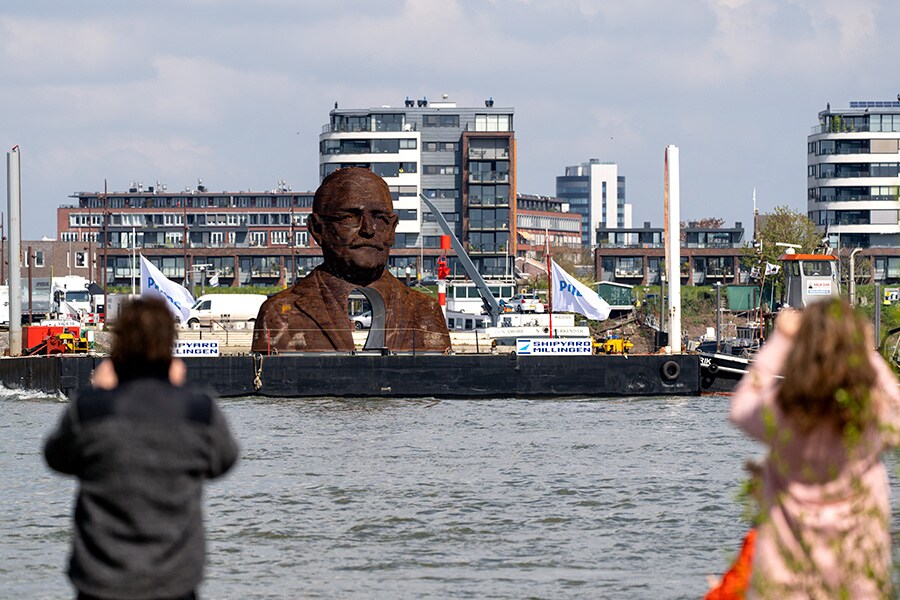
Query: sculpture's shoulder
x=408, y=296
x=281, y=306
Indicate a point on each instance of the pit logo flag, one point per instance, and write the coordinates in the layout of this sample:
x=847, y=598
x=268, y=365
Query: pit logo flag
x=570, y=295
x=156, y=285
x=772, y=269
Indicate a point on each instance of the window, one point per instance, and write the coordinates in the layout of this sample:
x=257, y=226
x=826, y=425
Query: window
x=440, y=170
x=493, y=122
x=69, y=236
x=406, y=240
x=216, y=238
x=489, y=148
x=441, y=194
x=816, y=267
x=441, y=146
x=440, y=121
x=388, y=122
x=257, y=238
x=386, y=169
x=407, y=214
x=81, y=260
x=301, y=238
x=489, y=195
x=408, y=144
x=385, y=146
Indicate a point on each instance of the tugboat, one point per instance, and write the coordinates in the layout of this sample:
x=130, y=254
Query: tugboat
x=807, y=278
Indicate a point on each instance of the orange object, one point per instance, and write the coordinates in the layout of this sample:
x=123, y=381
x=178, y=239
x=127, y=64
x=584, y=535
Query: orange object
x=32, y=335
x=445, y=242
x=736, y=580
x=443, y=270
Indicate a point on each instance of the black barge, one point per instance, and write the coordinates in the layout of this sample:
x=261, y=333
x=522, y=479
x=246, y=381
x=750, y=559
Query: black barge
x=474, y=376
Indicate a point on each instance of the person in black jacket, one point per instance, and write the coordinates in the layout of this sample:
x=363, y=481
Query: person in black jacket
x=141, y=446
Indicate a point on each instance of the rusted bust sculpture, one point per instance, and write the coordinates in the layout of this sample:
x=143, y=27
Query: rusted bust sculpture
x=353, y=221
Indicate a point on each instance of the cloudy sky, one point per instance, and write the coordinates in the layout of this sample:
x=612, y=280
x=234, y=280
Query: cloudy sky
x=236, y=91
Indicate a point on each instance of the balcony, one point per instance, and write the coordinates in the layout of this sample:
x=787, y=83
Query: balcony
x=331, y=128
x=487, y=249
x=605, y=244
x=629, y=273
x=837, y=128
x=488, y=225
x=489, y=177
x=501, y=201
x=712, y=245
x=719, y=273
x=488, y=153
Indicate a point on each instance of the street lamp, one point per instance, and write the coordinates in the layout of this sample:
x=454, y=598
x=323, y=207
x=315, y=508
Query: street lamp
x=201, y=269
x=853, y=277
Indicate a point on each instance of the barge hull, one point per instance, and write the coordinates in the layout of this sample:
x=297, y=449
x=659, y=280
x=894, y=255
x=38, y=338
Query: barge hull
x=397, y=375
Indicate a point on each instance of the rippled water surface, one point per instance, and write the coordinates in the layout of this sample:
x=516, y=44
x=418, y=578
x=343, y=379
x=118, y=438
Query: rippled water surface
x=380, y=498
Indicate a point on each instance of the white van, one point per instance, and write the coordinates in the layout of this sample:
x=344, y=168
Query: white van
x=224, y=309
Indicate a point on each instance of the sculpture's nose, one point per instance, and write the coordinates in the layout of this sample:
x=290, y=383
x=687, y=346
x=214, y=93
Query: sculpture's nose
x=366, y=224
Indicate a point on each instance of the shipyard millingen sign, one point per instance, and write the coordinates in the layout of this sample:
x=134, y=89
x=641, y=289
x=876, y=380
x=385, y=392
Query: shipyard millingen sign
x=532, y=346
x=196, y=348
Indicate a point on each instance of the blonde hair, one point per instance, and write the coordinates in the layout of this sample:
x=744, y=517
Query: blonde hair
x=828, y=376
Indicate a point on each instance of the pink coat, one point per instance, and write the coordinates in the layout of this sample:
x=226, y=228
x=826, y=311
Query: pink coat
x=825, y=528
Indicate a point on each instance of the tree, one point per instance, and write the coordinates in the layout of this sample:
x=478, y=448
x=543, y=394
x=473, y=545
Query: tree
x=705, y=223
x=784, y=226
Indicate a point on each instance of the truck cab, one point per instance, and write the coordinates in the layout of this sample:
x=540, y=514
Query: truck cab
x=70, y=296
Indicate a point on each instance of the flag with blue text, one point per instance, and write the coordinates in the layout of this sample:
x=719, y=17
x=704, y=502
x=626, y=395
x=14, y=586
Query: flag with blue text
x=156, y=285
x=570, y=295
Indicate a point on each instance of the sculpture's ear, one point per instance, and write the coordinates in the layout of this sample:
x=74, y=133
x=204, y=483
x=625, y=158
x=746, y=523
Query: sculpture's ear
x=314, y=226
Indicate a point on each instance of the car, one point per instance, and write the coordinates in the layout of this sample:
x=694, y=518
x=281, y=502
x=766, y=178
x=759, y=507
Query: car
x=363, y=320
x=526, y=303
x=428, y=280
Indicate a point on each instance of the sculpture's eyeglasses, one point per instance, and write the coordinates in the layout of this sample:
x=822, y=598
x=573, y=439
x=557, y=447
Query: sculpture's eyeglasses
x=378, y=220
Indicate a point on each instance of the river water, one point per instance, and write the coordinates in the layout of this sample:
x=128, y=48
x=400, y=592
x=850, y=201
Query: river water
x=631, y=498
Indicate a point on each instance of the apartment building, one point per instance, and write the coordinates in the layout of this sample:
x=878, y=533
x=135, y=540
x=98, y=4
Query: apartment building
x=460, y=158
x=596, y=191
x=636, y=256
x=544, y=219
x=853, y=181
x=246, y=237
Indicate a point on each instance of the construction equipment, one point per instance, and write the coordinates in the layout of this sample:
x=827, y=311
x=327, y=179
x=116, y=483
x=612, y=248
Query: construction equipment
x=613, y=344
x=63, y=342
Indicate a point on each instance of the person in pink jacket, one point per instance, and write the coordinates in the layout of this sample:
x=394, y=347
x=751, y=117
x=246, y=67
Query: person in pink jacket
x=827, y=406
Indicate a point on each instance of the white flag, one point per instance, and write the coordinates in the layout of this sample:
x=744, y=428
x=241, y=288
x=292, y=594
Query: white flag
x=772, y=269
x=156, y=285
x=214, y=280
x=570, y=295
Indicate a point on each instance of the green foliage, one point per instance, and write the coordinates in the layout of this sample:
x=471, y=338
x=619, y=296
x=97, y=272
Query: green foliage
x=696, y=301
x=784, y=226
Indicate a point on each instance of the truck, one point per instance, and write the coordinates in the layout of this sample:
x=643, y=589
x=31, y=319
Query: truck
x=224, y=309
x=70, y=297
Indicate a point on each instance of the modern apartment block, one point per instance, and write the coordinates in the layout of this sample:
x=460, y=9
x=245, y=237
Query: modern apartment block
x=247, y=238
x=853, y=175
x=636, y=256
x=461, y=158
x=596, y=191
x=544, y=219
